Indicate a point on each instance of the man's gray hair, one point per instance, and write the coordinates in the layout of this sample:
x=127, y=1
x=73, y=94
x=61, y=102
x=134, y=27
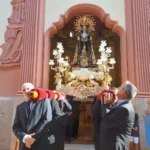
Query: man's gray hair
x=29, y=85
x=130, y=90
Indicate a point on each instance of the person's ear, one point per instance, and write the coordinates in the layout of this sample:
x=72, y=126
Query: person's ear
x=123, y=92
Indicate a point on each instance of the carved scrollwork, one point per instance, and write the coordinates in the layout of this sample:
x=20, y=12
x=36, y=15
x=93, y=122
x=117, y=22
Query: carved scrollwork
x=12, y=48
x=75, y=59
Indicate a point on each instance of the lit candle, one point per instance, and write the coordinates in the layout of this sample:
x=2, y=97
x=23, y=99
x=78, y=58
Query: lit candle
x=59, y=45
x=66, y=63
x=104, y=59
x=55, y=52
x=61, y=60
x=101, y=49
x=103, y=43
x=99, y=62
x=112, y=61
x=51, y=62
x=61, y=50
x=108, y=50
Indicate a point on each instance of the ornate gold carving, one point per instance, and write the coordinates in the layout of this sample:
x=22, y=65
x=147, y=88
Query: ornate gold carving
x=84, y=20
x=84, y=58
x=93, y=56
x=75, y=59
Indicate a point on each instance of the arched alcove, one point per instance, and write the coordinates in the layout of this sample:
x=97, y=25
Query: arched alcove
x=71, y=13
x=69, y=43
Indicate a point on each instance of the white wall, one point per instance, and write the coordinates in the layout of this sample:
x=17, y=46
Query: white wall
x=116, y=9
x=5, y=12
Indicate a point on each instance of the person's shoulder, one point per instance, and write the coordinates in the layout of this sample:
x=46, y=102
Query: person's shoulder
x=98, y=101
x=122, y=107
x=45, y=101
x=127, y=108
x=53, y=100
x=127, y=104
x=21, y=104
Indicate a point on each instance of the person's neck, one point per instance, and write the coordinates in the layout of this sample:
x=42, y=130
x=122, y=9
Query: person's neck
x=26, y=97
x=122, y=98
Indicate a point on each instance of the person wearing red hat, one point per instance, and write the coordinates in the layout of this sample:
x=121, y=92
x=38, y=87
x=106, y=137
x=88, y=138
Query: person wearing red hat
x=65, y=108
x=60, y=119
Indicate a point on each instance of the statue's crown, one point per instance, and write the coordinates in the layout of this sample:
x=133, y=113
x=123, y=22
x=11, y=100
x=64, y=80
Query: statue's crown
x=84, y=20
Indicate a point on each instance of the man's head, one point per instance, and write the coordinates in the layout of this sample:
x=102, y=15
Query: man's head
x=127, y=91
x=26, y=87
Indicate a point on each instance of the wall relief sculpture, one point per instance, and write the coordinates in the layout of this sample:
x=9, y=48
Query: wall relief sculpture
x=12, y=48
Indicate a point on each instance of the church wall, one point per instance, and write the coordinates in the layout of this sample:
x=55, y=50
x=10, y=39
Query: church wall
x=138, y=43
x=55, y=8
x=6, y=9
x=9, y=82
x=6, y=108
x=15, y=101
x=7, y=113
x=137, y=33
x=9, y=85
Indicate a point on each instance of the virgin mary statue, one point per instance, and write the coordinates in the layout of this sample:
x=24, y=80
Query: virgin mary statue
x=84, y=54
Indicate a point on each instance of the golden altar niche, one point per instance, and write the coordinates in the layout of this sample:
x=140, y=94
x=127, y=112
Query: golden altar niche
x=84, y=76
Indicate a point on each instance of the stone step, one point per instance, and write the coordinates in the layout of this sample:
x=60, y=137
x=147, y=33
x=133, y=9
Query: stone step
x=78, y=147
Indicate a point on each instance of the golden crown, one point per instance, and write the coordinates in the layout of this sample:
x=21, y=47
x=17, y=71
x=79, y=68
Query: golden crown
x=84, y=20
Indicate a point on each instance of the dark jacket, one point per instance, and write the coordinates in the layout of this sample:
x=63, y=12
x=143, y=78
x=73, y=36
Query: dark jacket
x=116, y=126
x=96, y=115
x=40, y=115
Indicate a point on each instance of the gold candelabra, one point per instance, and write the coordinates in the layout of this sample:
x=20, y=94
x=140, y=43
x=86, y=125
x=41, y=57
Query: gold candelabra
x=61, y=65
x=82, y=82
x=105, y=63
